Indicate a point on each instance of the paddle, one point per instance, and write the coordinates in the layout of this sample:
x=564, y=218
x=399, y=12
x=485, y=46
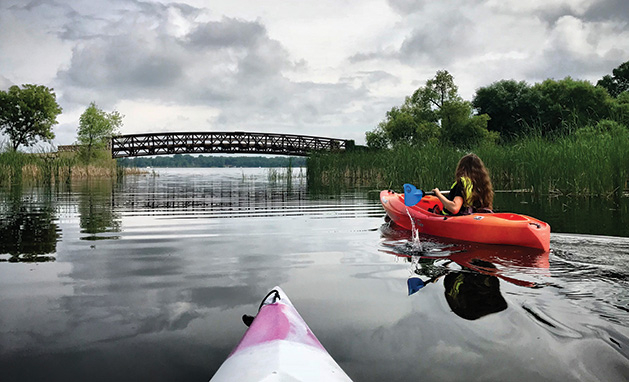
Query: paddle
x=414, y=285
x=412, y=195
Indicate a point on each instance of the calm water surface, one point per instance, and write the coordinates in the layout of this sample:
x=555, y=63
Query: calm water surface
x=147, y=280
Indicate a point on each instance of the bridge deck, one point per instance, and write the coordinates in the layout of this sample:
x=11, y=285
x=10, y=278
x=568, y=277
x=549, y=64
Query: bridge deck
x=222, y=142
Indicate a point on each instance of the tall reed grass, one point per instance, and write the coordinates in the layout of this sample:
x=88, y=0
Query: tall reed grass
x=579, y=164
x=51, y=168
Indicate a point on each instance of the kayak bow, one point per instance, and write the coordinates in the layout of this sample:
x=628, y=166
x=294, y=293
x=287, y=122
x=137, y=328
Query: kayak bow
x=279, y=345
x=488, y=228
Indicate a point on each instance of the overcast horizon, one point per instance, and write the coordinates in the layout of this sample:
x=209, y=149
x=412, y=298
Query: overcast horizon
x=324, y=68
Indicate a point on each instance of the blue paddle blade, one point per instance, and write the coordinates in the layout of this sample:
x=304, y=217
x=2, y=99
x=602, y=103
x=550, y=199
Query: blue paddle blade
x=412, y=195
x=414, y=285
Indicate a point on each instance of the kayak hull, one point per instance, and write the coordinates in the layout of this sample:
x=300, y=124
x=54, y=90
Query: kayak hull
x=279, y=346
x=488, y=228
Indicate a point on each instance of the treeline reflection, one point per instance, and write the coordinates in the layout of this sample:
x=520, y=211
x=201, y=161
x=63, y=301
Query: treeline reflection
x=28, y=228
x=30, y=217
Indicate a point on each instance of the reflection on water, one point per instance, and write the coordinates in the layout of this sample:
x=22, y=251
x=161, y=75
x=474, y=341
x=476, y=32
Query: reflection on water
x=96, y=209
x=152, y=276
x=597, y=216
x=470, y=272
x=28, y=231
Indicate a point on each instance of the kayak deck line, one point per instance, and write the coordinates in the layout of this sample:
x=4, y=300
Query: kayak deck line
x=279, y=346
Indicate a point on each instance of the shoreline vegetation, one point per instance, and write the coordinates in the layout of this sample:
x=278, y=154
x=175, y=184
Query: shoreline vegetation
x=556, y=137
x=576, y=165
x=55, y=168
x=58, y=167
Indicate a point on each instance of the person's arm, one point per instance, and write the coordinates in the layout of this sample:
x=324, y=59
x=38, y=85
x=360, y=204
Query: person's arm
x=451, y=205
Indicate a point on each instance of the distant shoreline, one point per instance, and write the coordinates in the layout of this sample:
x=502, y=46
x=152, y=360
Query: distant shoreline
x=188, y=161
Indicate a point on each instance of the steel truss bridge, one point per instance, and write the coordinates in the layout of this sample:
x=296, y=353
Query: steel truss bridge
x=238, y=142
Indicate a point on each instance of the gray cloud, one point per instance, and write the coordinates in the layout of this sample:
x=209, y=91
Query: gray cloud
x=230, y=64
x=604, y=10
x=558, y=63
x=440, y=40
x=227, y=33
x=406, y=6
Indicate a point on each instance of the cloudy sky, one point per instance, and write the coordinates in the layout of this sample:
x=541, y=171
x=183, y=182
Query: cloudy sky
x=326, y=68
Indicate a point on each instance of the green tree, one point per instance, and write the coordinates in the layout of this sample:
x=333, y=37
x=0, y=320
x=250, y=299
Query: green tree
x=28, y=114
x=462, y=128
x=565, y=105
x=509, y=105
x=618, y=82
x=377, y=138
x=434, y=112
x=417, y=120
x=96, y=128
x=439, y=90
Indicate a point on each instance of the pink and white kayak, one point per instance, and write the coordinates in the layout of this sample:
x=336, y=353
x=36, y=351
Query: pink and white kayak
x=279, y=346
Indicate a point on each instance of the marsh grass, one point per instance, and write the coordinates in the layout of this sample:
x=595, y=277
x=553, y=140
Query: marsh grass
x=579, y=164
x=55, y=168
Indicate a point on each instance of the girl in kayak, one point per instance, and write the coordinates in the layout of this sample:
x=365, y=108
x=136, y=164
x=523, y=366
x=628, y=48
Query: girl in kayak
x=472, y=189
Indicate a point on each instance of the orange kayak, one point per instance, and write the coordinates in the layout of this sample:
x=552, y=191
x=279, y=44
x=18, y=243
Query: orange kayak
x=488, y=228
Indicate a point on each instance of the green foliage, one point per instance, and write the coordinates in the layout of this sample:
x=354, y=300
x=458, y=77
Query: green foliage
x=377, y=138
x=551, y=108
x=428, y=132
x=28, y=114
x=433, y=113
x=565, y=105
x=439, y=90
x=95, y=129
x=461, y=128
x=618, y=82
x=400, y=126
x=508, y=103
x=580, y=164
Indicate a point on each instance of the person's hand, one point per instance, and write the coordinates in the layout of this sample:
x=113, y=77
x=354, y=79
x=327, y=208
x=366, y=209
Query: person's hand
x=436, y=191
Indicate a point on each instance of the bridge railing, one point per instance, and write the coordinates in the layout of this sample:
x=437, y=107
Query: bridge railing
x=222, y=142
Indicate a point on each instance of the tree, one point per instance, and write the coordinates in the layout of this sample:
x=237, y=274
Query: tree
x=508, y=104
x=566, y=104
x=417, y=120
x=618, y=83
x=96, y=128
x=440, y=89
x=28, y=114
x=462, y=128
x=377, y=138
x=433, y=113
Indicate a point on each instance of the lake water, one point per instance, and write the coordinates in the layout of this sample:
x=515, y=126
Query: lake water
x=147, y=279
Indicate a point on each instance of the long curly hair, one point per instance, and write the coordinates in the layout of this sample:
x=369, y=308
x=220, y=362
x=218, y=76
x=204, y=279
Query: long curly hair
x=472, y=166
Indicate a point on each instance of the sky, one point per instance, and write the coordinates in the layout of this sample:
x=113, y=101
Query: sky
x=324, y=68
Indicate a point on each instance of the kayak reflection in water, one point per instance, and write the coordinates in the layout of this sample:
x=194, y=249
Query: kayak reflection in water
x=469, y=294
x=473, y=295
x=471, y=274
